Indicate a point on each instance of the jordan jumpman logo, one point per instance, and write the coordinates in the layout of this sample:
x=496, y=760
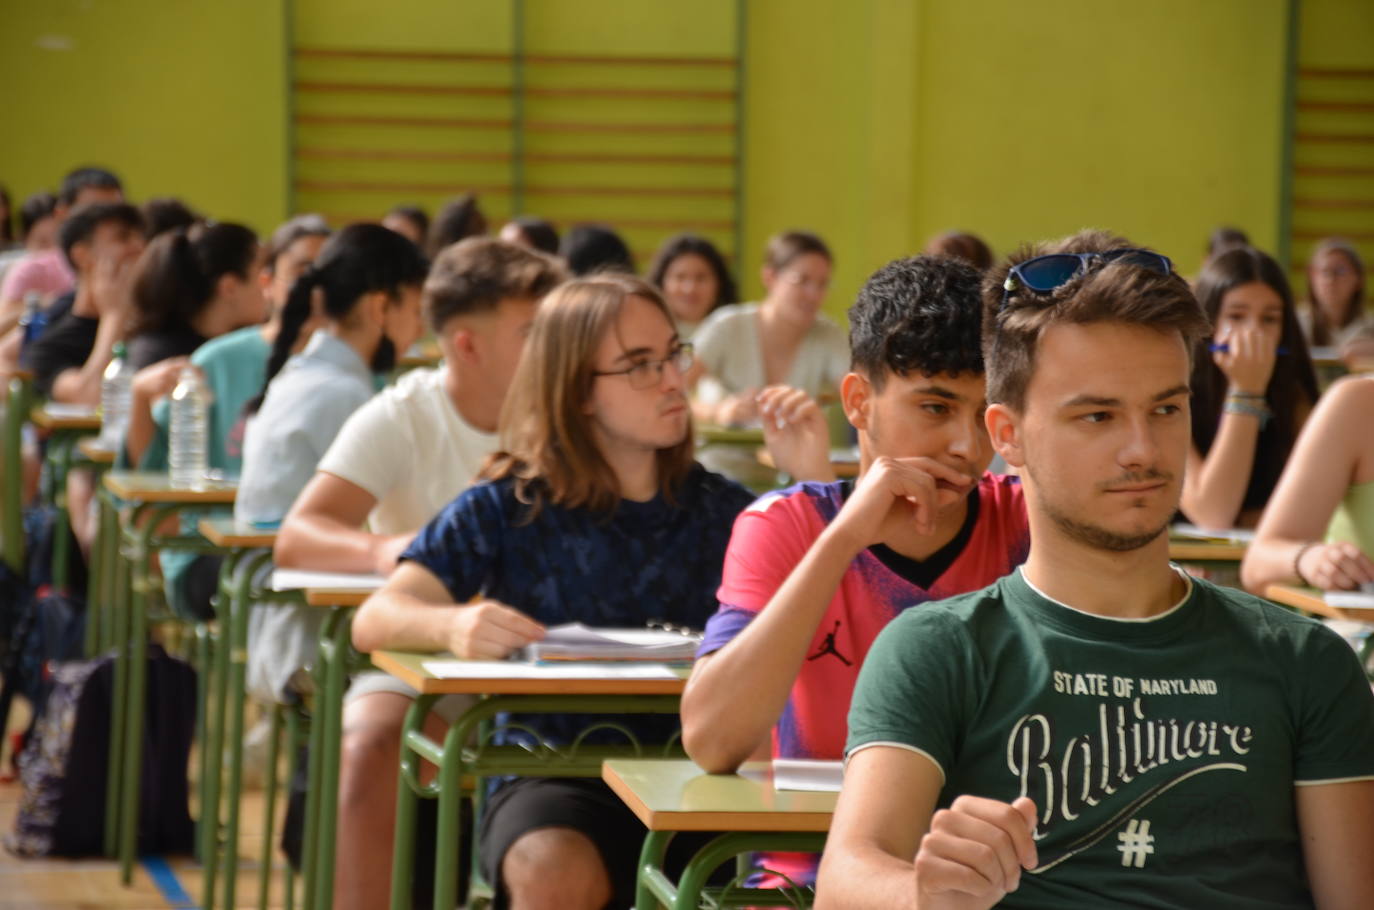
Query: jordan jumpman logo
x=828, y=647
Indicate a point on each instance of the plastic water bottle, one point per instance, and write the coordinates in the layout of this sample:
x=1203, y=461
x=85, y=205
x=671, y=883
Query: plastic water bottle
x=116, y=395
x=31, y=323
x=188, y=457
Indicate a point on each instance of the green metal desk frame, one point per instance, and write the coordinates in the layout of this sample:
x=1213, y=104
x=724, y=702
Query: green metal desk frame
x=458, y=763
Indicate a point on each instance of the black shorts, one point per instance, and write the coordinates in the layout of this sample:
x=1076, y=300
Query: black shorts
x=586, y=805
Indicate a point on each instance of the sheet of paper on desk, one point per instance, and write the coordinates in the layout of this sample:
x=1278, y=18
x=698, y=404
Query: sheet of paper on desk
x=1230, y=535
x=807, y=774
x=575, y=641
x=67, y=409
x=510, y=669
x=1362, y=599
x=299, y=579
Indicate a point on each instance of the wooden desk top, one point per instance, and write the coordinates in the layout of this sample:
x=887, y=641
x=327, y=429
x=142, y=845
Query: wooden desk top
x=1205, y=551
x=408, y=668
x=91, y=449
x=1311, y=601
x=676, y=795
x=843, y=468
x=224, y=531
x=329, y=597
x=64, y=417
x=143, y=486
x=711, y=434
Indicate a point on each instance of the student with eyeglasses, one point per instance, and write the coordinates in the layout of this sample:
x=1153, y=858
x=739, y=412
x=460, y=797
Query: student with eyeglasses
x=1253, y=388
x=1334, y=313
x=782, y=340
x=1097, y=728
x=593, y=511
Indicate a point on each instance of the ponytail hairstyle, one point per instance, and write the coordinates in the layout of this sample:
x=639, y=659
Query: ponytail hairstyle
x=180, y=269
x=358, y=260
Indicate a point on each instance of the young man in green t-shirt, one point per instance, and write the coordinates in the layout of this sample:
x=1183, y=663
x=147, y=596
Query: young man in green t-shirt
x=1098, y=729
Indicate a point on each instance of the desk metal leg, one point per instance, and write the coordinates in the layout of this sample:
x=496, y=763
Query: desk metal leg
x=120, y=704
x=334, y=652
x=408, y=790
x=269, y=808
x=212, y=746
x=651, y=859
x=237, y=646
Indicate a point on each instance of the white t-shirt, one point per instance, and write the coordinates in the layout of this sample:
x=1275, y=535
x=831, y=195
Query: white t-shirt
x=409, y=448
x=727, y=344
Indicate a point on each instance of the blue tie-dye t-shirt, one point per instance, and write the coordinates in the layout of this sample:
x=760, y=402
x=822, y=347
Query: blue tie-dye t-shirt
x=644, y=561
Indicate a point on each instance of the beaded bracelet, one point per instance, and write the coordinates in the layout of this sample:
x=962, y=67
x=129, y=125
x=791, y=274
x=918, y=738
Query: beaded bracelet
x=1235, y=404
x=1297, y=558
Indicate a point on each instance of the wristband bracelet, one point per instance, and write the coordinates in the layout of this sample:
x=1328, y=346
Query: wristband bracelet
x=1238, y=405
x=1297, y=558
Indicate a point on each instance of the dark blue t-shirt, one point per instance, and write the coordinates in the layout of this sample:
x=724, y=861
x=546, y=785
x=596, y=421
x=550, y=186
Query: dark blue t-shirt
x=644, y=561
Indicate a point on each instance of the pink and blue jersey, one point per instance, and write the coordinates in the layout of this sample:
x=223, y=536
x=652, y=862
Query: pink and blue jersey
x=769, y=540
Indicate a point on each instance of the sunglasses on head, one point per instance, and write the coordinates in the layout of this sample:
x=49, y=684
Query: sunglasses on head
x=1045, y=273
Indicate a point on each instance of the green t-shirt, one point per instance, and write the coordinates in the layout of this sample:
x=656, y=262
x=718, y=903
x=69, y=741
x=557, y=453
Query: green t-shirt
x=1161, y=754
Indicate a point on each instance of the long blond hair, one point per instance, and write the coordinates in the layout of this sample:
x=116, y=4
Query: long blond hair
x=547, y=444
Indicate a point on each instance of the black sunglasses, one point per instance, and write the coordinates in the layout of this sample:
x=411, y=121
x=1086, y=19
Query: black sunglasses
x=1045, y=273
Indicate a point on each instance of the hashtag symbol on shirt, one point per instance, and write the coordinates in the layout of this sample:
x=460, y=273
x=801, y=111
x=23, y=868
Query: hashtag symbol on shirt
x=1136, y=843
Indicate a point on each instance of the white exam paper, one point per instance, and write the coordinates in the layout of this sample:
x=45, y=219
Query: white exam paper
x=509, y=669
x=298, y=579
x=808, y=774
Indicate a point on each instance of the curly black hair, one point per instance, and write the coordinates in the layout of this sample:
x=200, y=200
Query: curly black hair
x=920, y=314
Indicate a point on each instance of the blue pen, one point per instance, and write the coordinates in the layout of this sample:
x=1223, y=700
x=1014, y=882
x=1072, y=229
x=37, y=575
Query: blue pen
x=1225, y=348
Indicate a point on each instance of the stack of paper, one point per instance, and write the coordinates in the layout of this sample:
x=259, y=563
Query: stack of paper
x=1362, y=599
x=576, y=641
x=1187, y=531
x=510, y=669
x=300, y=579
x=807, y=774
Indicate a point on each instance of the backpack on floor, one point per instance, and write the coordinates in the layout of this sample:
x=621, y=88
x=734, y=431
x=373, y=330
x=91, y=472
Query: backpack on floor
x=64, y=763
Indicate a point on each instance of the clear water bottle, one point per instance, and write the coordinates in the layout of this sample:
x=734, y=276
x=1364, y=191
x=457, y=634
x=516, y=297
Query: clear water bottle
x=188, y=457
x=31, y=323
x=116, y=396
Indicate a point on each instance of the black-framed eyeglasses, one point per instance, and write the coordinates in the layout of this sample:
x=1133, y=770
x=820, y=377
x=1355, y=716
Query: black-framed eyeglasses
x=648, y=373
x=1045, y=273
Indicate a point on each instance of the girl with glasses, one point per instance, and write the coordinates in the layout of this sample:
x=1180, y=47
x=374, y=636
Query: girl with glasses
x=1334, y=313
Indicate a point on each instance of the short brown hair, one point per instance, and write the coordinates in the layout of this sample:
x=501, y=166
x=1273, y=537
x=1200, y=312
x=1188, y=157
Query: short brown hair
x=789, y=245
x=547, y=444
x=476, y=274
x=1110, y=292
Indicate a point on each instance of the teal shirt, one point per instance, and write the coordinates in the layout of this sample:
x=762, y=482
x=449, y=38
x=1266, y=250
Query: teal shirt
x=1162, y=755
x=234, y=366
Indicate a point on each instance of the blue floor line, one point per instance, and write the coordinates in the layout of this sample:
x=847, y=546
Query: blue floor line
x=166, y=881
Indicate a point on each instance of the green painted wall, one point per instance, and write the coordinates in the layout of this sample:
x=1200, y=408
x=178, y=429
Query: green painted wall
x=875, y=122
x=180, y=97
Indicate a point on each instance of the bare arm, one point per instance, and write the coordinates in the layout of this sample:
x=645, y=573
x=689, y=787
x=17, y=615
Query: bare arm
x=323, y=530
x=796, y=433
x=1214, y=487
x=889, y=848
x=1335, y=450
x=413, y=611
x=1336, y=822
x=150, y=383
x=719, y=729
x=81, y=385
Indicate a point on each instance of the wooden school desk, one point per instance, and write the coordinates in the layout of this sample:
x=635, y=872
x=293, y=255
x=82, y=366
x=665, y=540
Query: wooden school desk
x=843, y=464
x=148, y=499
x=65, y=425
x=340, y=594
x=675, y=796
x=463, y=755
x=247, y=548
